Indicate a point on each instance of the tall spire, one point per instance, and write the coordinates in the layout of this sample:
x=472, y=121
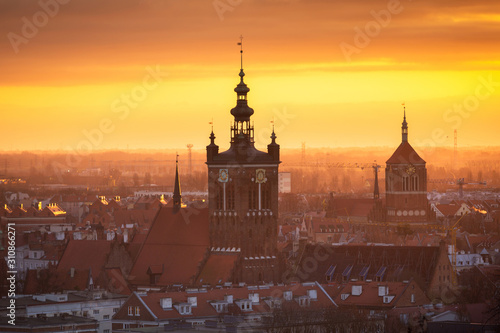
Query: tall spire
x=241, y=111
x=376, y=192
x=177, y=198
x=404, y=126
x=241, y=52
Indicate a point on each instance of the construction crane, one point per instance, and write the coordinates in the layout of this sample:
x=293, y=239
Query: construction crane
x=460, y=182
x=342, y=165
x=189, y=147
x=453, y=233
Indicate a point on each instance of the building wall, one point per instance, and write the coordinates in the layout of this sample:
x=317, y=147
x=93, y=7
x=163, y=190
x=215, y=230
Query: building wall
x=442, y=279
x=406, y=199
x=240, y=223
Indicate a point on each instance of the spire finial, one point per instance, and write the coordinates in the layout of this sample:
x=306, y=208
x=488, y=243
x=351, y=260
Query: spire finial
x=241, y=50
x=404, y=127
x=177, y=197
x=211, y=123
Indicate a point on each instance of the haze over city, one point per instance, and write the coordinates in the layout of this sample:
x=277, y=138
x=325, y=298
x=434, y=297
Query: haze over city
x=332, y=74
x=249, y=166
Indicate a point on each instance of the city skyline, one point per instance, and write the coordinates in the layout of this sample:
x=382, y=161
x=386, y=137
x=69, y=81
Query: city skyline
x=152, y=75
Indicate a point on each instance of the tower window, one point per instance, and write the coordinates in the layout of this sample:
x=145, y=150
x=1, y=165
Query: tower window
x=414, y=183
x=406, y=183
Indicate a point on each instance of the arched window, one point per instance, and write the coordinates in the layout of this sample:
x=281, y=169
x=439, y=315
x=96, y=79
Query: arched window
x=230, y=196
x=406, y=183
x=414, y=183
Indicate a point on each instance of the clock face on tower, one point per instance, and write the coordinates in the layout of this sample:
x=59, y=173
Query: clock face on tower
x=223, y=175
x=260, y=175
x=410, y=169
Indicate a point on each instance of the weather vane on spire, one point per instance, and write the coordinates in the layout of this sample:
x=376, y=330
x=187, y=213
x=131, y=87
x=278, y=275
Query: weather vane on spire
x=241, y=50
x=211, y=123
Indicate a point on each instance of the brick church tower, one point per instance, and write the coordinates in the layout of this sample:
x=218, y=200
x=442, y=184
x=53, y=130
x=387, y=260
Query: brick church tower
x=406, y=183
x=243, y=197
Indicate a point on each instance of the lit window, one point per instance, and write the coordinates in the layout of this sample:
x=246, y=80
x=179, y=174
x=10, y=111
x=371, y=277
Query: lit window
x=137, y=311
x=130, y=311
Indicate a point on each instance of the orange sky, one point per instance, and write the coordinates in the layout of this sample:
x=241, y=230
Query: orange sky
x=305, y=63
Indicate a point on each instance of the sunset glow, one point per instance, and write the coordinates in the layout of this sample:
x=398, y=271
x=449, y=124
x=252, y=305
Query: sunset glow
x=154, y=73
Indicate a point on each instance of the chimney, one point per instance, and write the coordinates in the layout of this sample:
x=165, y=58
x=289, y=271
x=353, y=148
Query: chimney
x=254, y=298
x=356, y=290
x=193, y=300
x=166, y=303
x=383, y=290
x=288, y=295
x=312, y=293
x=228, y=299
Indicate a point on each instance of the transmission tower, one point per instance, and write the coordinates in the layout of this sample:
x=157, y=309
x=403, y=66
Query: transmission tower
x=455, y=155
x=303, y=159
x=190, y=165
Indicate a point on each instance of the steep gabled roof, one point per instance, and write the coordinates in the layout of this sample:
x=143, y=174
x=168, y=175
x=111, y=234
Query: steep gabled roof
x=405, y=154
x=218, y=269
x=85, y=254
x=178, y=241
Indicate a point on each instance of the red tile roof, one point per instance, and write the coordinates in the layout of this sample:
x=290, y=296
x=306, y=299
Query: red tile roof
x=204, y=299
x=85, y=254
x=218, y=269
x=139, y=216
x=354, y=207
x=448, y=209
x=116, y=282
x=369, y=296
x=405, y=154
x=176, y=240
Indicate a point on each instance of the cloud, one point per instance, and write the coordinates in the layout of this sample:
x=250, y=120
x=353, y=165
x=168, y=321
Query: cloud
x=106, y=41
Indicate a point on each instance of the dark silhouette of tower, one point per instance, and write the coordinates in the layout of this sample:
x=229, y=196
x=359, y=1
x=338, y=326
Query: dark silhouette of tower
x=406, y=183
x=243, y=196
x=190, y=165
x=177, y=197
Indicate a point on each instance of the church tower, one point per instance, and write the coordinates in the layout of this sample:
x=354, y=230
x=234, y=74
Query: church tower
x=406, y=183
x=243, y=196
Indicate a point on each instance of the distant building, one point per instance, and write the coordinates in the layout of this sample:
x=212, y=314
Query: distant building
x=243, y=197
x=90, y=311
x=229, y=307
x=406, y=184
x=284, y=182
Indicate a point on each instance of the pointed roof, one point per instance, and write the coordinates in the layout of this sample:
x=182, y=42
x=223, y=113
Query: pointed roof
x=242, y=111
x=177, y=198
x=405, y=154
x=177, y=241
